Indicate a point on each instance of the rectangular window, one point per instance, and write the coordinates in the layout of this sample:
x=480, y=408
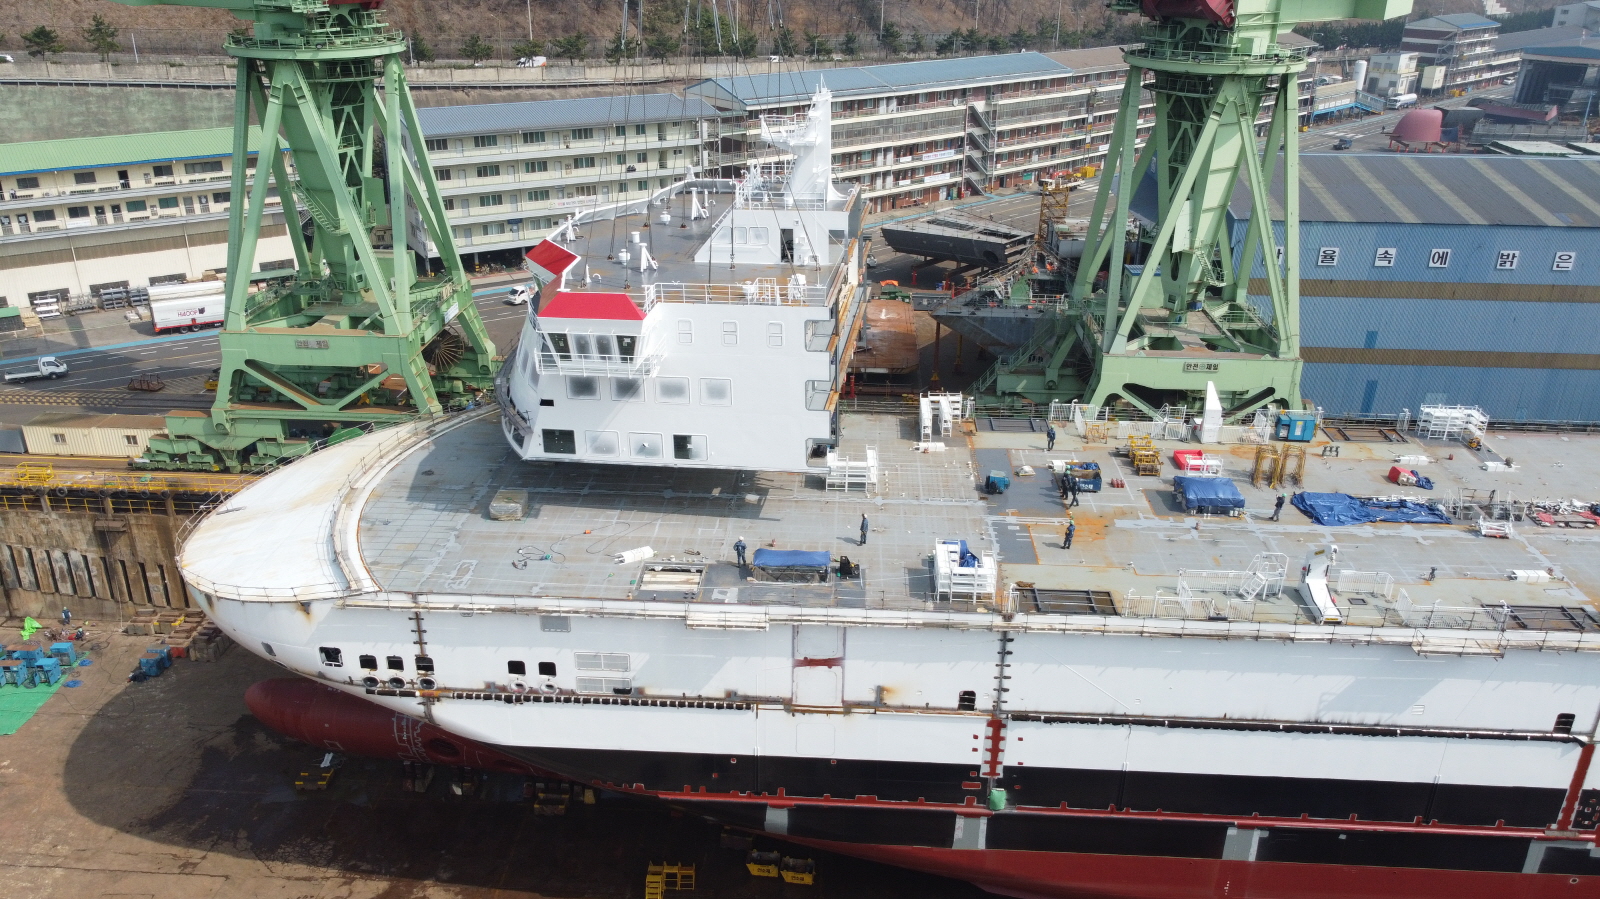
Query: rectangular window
x=601, y=443
x=622, y=131
x=517, y=667
x=59, y=438
x=716, y=392
x=689, y=447
x=77, y=212
x=616, y=686
x=775, y=334
x=759, y=236
x=202, y=168
x=644, y=446
x=222, y=196
x=560, y=442
x=538, y=196
x=494, y=228
x=488, y=171
x=622, y=159
x=622, y=187
x=730, y=330
x=638, y=129
x=582, y=134
x=441, y=174
x=168, y=202
x=331, y=656
x=686, y=331
x=130, y=439
x=583, y=388
x=369, y=662
x=161, y=171
x=644, y=185
x=672, y=390
x=436, y=144
x=583, y=162
x=601, y=661
x=627, y=390
x=481, y=141
x=533, y=137
x=536, y=166
x=491, y=200
x=30, y=182
x=83, y=177
x=641, y=158
x=449, y=204
x=583, y=190
x=49, y=215
x=395, y=663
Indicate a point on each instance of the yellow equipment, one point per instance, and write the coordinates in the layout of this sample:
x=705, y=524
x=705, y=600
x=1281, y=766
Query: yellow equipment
x=762, y=864
x=1145, y=457
x=660, y=878
x=798, y=870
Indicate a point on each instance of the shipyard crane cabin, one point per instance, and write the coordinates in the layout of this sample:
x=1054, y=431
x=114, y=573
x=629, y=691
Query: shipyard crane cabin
x=1153, y=335
x=363, y=331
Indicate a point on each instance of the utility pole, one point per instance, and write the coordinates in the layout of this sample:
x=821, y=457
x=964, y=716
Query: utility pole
x=530, y=20
x=1058, y=24
x=881, y=4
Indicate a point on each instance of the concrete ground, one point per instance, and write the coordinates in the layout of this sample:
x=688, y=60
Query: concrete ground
x=171, y=789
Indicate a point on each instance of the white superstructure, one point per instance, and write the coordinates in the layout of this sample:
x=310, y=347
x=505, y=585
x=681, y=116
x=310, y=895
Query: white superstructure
x=691, y=340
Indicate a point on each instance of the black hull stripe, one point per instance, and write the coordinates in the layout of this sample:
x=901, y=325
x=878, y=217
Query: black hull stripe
x=1093, y=789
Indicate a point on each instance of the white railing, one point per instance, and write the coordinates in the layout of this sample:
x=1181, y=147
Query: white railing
x=758, y=292
x=1371, y=583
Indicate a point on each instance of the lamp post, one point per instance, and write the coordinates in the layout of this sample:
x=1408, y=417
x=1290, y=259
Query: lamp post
x=530, y=19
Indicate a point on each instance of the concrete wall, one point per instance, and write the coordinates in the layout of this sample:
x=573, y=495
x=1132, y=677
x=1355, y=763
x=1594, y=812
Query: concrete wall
x=100, y=564
x=51, y=112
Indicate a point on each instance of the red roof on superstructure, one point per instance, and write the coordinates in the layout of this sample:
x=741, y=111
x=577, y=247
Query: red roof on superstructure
x=582, y=304
x=552, y=257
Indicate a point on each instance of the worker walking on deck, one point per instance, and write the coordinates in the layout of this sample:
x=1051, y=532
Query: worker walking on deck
x=1072, y=490
x=739, y=550
x=863, y=530
x=1049, y=437
x=1066, y=541
x=1277, y=508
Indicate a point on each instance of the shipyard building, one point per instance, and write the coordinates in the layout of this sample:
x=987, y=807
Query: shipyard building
x=1446, y=279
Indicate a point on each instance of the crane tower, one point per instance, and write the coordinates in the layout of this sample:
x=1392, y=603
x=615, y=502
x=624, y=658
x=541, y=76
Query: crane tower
x=1154, y=334
x=364, y=330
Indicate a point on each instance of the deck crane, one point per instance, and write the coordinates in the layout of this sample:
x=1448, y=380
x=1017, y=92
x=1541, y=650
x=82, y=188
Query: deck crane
x=362, y=330
x=1154, y=335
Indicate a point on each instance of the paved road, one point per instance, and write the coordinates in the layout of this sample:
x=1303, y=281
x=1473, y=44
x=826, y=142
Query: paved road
x=99, y=375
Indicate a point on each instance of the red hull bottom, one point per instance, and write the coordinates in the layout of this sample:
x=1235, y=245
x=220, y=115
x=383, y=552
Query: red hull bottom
x=1064, y=875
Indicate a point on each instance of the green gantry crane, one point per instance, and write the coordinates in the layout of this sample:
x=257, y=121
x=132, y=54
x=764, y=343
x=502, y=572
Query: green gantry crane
x=1153, y=335
x=363, y=330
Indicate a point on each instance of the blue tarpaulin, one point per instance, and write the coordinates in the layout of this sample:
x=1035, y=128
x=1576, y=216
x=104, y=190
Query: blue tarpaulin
x=790, y=558
x=1208, y=494
x=1335, y=509
x=968, y=559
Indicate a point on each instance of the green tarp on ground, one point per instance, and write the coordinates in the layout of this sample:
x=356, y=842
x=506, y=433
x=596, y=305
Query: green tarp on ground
x=18, y=704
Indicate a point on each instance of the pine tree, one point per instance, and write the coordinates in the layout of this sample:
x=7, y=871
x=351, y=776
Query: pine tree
x=476, y=49
x=101, y=36
x=420, y=51
x=42, y=40
x=528, y=49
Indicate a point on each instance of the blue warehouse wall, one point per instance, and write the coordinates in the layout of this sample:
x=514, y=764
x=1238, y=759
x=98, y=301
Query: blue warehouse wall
x=1380, y=317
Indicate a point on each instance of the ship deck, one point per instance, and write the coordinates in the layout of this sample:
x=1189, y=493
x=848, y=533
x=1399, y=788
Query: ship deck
x=426, y=529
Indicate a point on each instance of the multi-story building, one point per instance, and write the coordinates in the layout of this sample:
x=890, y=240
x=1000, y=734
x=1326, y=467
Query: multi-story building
x=1391, y=74
x=81, y=216
x=510, y=172
x=1577, y=15
x=1464, y=43
x=915, y=132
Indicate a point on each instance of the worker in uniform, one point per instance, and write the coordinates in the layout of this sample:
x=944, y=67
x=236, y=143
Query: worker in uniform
x=1277, y=508
x=863, y=530
x=1049, y=437
x=739, y=550
x=1072, y=528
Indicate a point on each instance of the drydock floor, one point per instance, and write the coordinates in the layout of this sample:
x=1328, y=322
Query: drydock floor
x=170, y=789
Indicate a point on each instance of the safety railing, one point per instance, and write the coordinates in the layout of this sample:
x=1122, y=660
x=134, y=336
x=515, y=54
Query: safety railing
x=761, y=292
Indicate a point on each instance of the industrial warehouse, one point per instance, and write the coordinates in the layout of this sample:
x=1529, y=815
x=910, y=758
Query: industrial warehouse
x=966, y=464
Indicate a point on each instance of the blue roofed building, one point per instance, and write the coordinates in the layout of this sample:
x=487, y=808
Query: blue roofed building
x=1464, y=44
x=1471, y=280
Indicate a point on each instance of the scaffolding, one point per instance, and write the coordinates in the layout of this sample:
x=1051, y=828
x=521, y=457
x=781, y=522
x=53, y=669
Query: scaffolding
x=975, y=579
x=848, y=473
x=939, y=412
x=1452, y=422
x=1277, y=465
x=1144, y=456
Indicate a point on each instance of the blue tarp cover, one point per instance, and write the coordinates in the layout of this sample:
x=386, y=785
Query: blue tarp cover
x=790, y=558
x=968, y=559
x=1340, y=508
x=1210, y=493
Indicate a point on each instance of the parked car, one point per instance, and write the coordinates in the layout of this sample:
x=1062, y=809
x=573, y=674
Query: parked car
x=1343, y=143
x=518, y=296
